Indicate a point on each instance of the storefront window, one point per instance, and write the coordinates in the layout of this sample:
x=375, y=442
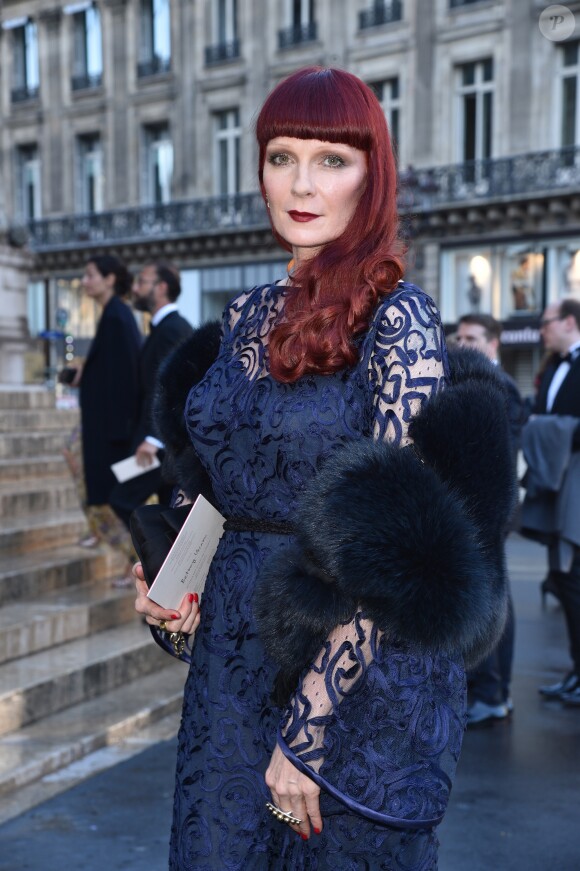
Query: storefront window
x=522, y=281
x=567, y=270
x=466, y=284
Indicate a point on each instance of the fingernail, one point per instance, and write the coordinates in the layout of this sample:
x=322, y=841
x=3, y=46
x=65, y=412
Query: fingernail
x=316, y=831
x=191, y=597
x=304, y=837
x=175, y=616
x=195, y=598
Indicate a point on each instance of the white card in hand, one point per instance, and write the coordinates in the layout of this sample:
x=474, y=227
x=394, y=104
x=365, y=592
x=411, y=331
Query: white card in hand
x=129, y=468
x=186, y=566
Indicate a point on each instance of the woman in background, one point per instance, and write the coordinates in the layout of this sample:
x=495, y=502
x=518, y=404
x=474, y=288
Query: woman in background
x=108, y=398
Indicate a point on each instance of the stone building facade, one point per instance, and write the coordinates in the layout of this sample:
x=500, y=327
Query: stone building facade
x=126, y=125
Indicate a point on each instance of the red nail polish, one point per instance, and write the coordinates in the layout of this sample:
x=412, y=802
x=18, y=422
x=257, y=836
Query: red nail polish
x=175, y=616
x=316, y=831
x=304, y=837
x=191, y=597
x=195, y=598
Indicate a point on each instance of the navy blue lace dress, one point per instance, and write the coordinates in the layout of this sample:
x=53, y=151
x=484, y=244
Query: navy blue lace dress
x=260, y=442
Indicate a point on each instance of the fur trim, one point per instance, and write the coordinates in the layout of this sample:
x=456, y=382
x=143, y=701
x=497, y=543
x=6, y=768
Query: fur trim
x=184, y=368
x=414, y=536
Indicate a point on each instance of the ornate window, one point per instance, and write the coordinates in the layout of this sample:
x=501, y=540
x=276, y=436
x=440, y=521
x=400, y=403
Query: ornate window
x=89, y=173
x=157, y=164
x=227, y=151
x=155, y=38
x=87, y=46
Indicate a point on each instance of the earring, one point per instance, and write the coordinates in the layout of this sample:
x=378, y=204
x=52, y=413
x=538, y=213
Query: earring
x=267, y=203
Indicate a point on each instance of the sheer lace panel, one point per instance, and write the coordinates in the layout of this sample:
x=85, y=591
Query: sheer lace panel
x=406, y=365
x=247, y=324
x=346, y=653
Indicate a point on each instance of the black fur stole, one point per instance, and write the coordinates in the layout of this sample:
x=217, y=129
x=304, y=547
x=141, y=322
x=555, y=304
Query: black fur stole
x=177, y=375
x=414, y=534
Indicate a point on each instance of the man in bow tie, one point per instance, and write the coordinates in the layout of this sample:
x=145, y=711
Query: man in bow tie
x=552, y=449
x=155, y=290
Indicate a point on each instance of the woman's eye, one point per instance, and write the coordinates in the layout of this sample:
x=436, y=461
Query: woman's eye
x=280, y=159
x=334, y=160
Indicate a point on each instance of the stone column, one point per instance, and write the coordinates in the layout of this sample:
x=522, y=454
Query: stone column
x=52, y=106
x=117, y=58
x=15, y=264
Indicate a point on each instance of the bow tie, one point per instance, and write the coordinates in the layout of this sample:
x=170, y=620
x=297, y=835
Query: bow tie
x=569, y=357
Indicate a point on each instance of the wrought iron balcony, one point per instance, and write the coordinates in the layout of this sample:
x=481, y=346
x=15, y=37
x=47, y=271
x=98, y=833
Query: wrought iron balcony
x=297, y=34
x=380, y=13
x=223, y=51
x=539, y=172
x=85, y=82
x=153, y=66
x=173, y=220
x=22, y=95
x=420, y=190
x=455, y=4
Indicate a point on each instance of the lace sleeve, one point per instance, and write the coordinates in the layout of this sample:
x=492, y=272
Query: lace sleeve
x=341, y=694
x=408, y=363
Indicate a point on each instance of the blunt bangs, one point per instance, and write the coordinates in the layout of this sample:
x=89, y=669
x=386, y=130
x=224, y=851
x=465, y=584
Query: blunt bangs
x=316, y=104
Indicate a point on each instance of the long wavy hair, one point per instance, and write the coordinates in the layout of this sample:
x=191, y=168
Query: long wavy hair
x=336, y=292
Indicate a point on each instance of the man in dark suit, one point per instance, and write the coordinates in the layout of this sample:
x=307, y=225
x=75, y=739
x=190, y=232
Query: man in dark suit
x=489, y=683
x=559, y=394
x=155, y=290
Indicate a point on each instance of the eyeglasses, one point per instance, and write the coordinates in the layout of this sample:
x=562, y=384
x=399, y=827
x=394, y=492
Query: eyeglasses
x=546, y=321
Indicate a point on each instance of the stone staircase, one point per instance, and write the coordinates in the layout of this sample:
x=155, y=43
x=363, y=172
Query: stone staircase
x=78, y=670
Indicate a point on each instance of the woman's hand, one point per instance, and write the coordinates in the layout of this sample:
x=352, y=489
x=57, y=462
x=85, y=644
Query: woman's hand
x=295, y=793
x=185, y=620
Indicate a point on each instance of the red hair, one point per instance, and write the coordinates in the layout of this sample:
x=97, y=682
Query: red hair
x=338, y=289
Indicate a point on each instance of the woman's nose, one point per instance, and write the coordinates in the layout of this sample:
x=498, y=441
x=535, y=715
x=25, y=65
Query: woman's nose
x=302, y=183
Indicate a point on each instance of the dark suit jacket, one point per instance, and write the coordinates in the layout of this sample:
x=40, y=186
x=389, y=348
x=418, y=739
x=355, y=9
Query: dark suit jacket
x=109, y=397
x=515, y=410
x=164, y=338
x=567, y=399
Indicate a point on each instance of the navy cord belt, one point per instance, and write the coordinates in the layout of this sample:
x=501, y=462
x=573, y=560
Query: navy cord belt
x=253, y=524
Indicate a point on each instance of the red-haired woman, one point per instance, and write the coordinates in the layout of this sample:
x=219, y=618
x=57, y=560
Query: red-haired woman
x=359, y=569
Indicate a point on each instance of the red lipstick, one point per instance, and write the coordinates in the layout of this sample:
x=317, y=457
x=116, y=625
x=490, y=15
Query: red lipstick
x=302, y=217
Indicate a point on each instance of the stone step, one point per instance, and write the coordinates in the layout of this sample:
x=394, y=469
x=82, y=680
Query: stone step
x=42, y=495
x=31, y=444
x=18, y=470
x=42, y=532
x=28, y=627
x=41, y=419
x=26, y=397
x=41, y=749
x=44, y=683
x=30, y=576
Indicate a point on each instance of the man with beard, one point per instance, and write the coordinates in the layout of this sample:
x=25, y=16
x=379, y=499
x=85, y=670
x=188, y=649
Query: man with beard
x=155, y=290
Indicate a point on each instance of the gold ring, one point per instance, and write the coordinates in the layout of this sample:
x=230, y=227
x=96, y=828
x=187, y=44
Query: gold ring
x=177, y=641
x=283, y=816
x=163, y=625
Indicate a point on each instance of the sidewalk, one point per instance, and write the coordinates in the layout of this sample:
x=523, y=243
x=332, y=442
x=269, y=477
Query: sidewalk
x=515, y=805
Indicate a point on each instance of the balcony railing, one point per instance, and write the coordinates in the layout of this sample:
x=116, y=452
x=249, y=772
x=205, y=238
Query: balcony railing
x=172, y=220
x=380, y=14
x=22, y=95
x=153, y=66
x=85, y=81
x=224, y=51
x=455, y=4
x=539, y=172
x=297, y=34
x=420, y=190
